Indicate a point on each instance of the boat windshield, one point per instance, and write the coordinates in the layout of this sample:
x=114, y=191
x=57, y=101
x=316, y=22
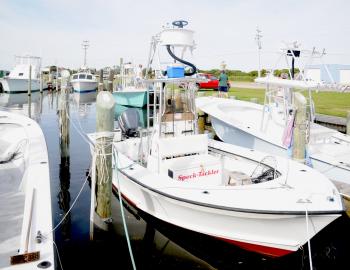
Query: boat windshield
x=75, y=77
x=89, y=77
x=82, y=76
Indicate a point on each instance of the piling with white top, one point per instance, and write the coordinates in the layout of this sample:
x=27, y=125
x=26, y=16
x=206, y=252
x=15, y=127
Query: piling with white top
x=103, y=154
x=300, y=125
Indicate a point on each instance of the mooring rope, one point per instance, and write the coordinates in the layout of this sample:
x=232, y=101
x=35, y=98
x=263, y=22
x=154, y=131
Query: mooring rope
x=115, y=156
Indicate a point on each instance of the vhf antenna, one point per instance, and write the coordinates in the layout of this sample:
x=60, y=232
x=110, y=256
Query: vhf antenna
x=258, y=37
x=85, y=47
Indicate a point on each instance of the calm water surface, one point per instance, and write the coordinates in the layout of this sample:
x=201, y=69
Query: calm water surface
x=156, y=245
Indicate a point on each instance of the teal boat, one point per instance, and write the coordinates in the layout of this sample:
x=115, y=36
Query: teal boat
x=132, y=98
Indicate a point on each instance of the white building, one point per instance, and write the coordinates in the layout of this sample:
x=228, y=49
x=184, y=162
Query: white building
x=335, y=74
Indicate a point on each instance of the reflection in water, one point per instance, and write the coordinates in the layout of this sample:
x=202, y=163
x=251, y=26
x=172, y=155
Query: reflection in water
x=64, y=196
x=30, y=106
x=83, y=102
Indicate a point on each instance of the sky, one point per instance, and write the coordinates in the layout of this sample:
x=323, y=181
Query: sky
x=224, y=30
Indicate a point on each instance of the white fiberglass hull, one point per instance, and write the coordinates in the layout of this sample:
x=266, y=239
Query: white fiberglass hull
x=239, y=122
x=274, y=230
x=19, y=85
x=84, y=86
x=30, y=179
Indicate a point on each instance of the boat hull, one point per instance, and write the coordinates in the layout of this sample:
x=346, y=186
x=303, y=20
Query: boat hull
x=20, y=85
x=269, y=234
x=84, y=87
x=131, y=98
x=331, y=159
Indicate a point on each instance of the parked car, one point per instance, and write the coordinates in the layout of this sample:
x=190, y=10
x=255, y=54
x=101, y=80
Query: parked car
x=212, y=81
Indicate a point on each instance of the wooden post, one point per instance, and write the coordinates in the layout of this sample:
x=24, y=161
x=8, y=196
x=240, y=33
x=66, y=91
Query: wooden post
x=41, y=81
x=201, y=121
x=100, y=84
x=348, y=124
x=30, y=81
x=64, y=168
x=64, y=122
x=103, y=151
x=110, y=81
x=299, y=134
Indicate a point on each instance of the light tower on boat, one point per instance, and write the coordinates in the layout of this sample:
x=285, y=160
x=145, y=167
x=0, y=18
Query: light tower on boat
x=85, y=45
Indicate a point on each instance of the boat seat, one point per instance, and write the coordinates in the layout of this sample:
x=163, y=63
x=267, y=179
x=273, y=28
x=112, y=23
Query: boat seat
x=183, y=145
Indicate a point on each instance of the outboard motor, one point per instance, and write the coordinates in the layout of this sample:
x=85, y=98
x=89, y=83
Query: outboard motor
x=129, y=122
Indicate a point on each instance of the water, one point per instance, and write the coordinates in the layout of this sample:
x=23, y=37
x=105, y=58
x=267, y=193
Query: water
x=156, y=245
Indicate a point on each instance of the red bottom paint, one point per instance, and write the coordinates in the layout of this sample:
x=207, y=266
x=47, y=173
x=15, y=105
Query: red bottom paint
x=265, y=250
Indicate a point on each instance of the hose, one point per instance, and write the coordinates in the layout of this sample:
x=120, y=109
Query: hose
x=194, y=71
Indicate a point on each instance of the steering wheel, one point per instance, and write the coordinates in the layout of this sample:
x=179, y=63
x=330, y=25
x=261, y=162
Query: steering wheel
x=180, y=23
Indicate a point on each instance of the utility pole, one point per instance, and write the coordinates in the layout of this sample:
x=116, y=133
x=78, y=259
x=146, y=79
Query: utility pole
x=258, y=37
x=85, y=47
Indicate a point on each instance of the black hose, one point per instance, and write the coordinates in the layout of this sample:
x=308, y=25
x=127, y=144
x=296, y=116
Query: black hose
x=194, y=71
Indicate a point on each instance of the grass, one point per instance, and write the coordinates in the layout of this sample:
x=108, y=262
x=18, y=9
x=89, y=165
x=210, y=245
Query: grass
x=329, y=103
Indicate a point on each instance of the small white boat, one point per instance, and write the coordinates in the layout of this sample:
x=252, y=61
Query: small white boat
x=18, y=79
x=25, y=196
x=259, y=202
x=262, y=128
x=209, y=187
x=84, y=82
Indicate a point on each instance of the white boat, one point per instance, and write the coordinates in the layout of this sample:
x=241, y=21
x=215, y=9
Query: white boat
x=262, y=128
x=259, y=202
x=18, y=79
x=25, y=200
x=84, y=82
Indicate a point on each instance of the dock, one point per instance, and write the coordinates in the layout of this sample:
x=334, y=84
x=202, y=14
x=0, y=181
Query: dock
x=333, y=122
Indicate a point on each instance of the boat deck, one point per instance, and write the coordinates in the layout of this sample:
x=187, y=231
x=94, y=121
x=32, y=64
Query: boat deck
x=11, y=211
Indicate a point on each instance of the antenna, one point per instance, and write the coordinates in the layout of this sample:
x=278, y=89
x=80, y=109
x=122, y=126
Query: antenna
x=258, y=37
x=85, y=45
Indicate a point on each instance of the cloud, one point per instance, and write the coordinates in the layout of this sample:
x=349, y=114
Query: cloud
x=224, y=29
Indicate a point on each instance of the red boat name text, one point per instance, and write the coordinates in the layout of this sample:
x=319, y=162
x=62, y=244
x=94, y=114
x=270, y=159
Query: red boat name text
x=194, y=175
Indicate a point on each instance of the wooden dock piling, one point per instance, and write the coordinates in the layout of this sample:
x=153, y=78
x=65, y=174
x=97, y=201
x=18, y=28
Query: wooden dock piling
x=103, y=156
x=64, y=122
x=300, y=124
x=110, y=81
x=100, y=83
x=41, y=81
